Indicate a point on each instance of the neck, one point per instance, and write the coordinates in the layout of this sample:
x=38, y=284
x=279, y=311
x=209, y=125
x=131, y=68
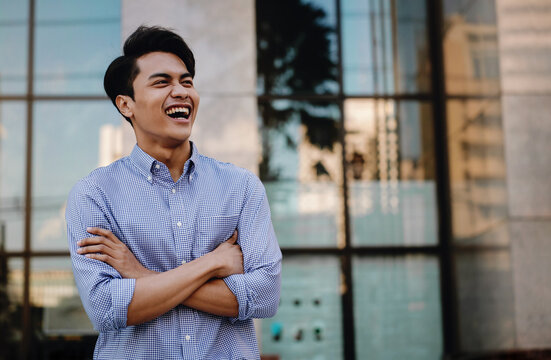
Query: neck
x=174, y=157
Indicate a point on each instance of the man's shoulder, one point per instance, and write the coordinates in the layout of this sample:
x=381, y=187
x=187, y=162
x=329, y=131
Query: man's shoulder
x=103, y=176
x=226, y=171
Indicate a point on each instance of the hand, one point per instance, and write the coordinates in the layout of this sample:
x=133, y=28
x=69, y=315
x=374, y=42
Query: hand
x=228, y=254
x=108, y=248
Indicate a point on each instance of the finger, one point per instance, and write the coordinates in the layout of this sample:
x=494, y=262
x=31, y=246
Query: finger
x=233, y=238
x=95, y=249
x=101, y=232
x=91, y=241
x=101, y=257
x=96, y=240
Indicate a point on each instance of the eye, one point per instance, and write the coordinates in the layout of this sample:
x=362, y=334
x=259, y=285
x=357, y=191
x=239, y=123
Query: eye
x=160, y=82
x=187, y=82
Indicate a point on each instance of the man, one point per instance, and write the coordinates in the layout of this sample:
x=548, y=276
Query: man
x=185, y=253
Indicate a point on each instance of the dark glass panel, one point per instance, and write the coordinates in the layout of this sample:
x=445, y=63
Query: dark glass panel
x=296, y=47
x=11, y=306
x=486, y=309
x=57, y=312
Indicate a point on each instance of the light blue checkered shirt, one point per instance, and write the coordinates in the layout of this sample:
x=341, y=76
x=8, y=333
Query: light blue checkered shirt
x=165, y=223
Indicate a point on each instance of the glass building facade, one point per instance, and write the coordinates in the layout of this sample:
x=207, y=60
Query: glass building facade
x=380, y=139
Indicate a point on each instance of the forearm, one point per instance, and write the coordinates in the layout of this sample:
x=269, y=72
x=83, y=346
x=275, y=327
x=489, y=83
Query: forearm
x=156, y=294
x=214, y=297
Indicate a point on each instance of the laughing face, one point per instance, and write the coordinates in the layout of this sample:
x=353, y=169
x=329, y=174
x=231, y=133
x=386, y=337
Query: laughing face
x=165, y=101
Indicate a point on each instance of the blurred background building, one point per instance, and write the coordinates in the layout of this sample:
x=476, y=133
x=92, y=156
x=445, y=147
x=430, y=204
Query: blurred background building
x=404, y=146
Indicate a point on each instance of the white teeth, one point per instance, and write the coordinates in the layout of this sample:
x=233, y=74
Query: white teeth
x=173, y=110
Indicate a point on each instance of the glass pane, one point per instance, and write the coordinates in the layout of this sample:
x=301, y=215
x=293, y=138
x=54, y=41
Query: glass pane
x=296, y=47
x=57, y=311
x=75, y=42
x=385, y=48
x=390, y=172
x=485, y=300
x=471, y=59
x=477, y=172
x=14, y=17
x=397, y=311
x=13, y=120
x=11, y=302
x=69, y=138
x=308, y=321
x=301, y=169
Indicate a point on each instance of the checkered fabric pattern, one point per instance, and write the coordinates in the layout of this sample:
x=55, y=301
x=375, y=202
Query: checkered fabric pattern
x=165, y=223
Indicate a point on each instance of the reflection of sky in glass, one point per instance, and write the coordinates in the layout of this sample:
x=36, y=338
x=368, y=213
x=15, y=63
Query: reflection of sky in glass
x=368, y=55
x=12, y=148
x=13, y=41
x=65, y=149
x=12, y=171
x=75, y=42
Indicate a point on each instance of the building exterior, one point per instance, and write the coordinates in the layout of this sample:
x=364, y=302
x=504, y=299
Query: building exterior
x=402, y=143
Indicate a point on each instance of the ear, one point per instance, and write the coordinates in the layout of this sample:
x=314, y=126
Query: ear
x=124, y=104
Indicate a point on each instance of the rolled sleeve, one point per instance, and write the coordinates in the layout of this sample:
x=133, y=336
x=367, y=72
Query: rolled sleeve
x=257, y=290
x=104, y=293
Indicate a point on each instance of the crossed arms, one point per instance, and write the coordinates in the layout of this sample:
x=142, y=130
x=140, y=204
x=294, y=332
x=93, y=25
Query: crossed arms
x=237, y=281
x=196, y=284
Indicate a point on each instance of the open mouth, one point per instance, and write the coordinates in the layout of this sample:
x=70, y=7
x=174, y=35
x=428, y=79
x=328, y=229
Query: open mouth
x=178, y=112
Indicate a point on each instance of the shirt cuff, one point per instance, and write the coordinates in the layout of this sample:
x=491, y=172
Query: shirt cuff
x=236, y=284
x=122, y=291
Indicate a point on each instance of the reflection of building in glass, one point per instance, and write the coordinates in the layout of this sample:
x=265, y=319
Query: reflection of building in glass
x=475, y=134
x=471, y=60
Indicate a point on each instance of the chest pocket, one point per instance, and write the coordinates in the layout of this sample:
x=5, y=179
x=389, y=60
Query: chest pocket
x=212, y=231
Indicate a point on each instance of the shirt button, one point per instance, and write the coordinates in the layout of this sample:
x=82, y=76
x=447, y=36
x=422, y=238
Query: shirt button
x=179, y=223
x=149, y=178
x=157, y=166
x=188, y=337
x=174, y=191
x=183, y=262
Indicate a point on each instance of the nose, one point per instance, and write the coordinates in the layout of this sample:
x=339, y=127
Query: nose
x=180, y=91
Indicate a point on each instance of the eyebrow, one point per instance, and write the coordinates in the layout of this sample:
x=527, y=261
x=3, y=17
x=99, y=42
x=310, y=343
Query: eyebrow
x=167, y=76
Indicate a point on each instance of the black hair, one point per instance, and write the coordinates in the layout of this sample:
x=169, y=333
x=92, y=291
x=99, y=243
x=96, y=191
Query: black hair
x=122, y=72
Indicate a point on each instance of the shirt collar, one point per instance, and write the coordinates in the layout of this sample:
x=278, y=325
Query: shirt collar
x=145, y=162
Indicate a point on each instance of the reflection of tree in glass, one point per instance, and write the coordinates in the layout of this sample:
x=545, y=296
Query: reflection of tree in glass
x=293, y=45
x=6, y=309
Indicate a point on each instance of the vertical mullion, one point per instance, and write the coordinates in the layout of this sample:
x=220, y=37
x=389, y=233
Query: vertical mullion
x=447, y=278
x=345, y=260
x=27, y=331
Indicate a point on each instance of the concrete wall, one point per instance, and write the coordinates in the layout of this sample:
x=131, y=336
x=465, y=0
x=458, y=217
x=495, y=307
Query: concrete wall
x=221, y=33
x=525, y=59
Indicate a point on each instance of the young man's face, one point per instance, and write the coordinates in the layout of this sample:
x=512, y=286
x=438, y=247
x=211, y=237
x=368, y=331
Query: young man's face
x=165, y=101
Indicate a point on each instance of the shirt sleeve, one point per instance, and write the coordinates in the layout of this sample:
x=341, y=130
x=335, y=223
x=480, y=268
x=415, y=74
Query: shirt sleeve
x=104, y=293
x=257, y=290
